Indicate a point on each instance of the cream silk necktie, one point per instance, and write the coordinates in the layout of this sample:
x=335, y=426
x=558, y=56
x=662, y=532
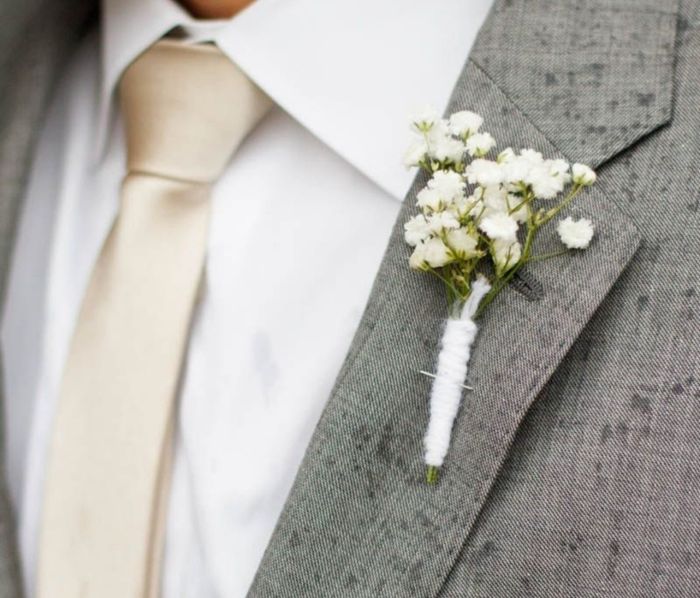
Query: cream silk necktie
x=186, y=109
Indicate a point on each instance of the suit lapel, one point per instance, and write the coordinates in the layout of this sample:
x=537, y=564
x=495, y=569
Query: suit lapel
x=360, y=520
x=594, y=75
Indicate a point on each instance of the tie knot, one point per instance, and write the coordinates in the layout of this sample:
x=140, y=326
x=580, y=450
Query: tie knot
x=186, y=109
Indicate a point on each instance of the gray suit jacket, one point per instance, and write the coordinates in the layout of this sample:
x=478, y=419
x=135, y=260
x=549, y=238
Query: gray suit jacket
x=575, y=464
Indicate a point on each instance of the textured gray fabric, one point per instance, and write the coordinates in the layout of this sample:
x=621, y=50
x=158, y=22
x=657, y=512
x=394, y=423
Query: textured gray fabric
x=35, y=37
x=594, y=76
x=589, y=395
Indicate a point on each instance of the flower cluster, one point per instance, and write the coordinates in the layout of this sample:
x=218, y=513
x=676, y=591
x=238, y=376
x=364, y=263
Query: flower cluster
x=479, y=214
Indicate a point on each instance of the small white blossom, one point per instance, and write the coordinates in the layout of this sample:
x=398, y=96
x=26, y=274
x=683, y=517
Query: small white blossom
x=436, y=253
x=497, y=200
x=575, y=234
x=517, y=209
x=448, y=184
x=506, y=156
x=560, y=169
x=417, y=259
x=464, y=205
x=516, y=169
x=480, y=144
x=442, y=146
x=582, y=174
x=462, y=243
x=494, y=198
x=499, y=226
x=465, y=123
x=440, y=221
x=545, y=186
x=416, y=230
x=415, y=153
x=478, y=209
x=548, y=178
x=532, y=156
x=505, y=254
x=424, y=119
x=429, y=198
x=486, y=173
x=438, y=130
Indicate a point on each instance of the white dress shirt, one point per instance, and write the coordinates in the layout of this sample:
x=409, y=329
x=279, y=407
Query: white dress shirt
x=300, y=221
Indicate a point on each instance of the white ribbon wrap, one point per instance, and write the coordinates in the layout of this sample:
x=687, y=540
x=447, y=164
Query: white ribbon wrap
x=451, y=374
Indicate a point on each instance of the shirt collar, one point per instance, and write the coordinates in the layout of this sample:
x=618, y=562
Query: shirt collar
x=349, y=72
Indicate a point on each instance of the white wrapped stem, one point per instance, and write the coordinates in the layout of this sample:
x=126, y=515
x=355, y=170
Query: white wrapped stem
x=451, y=374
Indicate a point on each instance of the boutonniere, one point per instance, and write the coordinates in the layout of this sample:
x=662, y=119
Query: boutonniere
x=478, y=222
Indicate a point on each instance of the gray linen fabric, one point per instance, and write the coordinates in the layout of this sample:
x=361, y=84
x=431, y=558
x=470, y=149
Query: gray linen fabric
x=574, y=469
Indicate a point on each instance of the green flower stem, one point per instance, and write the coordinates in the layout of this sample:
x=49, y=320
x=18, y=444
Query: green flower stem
x=498, y=285
x=432, y=474
x=451, y=290
x=567, y=200
x=524, y=202
x=532, y=228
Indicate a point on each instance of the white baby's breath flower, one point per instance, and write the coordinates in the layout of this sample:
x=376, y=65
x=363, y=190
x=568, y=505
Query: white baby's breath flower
x=465, y=123
x=416, y=230
x=531, y=156
x=431, y=252
x=438, y=129
x=506, y=156
x=516, y=169
x=415, y=153
x=429, y=198
x=486, y=173
x=546, y=180
x=505, y=254
x=462, y=243
x=448, y=184
x=464, y=205
x=443, y=147
x=478, y=209
x=559, y=169
x=582, y=174
x=436, y=253
x=443, y=189
x=545, y=186
x=517, y=209
x=417, y=259
x=575, y=234
x=424, y=119
x=440, y=221
x=480, y=144
x=499, y=226
x=494, y=198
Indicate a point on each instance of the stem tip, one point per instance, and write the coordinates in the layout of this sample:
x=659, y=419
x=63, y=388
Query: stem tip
x=432, y=474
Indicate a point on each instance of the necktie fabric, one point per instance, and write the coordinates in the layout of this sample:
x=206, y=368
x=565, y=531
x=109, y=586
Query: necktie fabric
x=186, y=109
